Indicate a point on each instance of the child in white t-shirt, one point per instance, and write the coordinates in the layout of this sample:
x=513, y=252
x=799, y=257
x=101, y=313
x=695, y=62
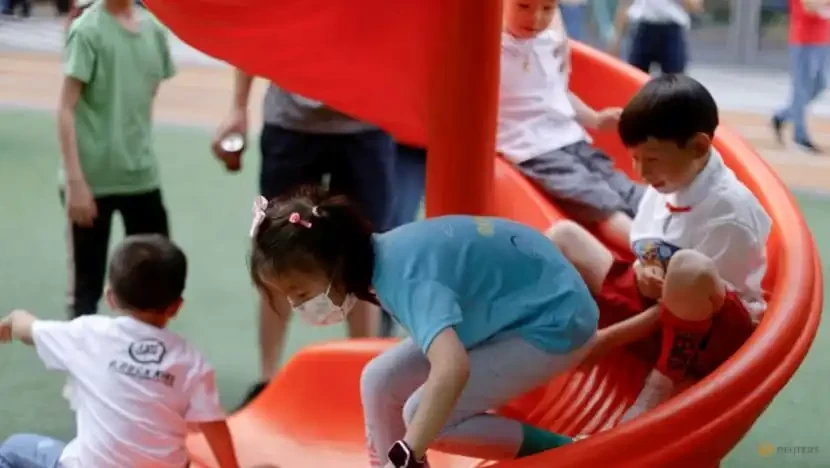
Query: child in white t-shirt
x=694, y=295
x=541, y=124
x=135, y=386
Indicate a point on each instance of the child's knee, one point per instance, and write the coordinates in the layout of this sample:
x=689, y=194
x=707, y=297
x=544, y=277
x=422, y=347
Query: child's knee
x=567, y=235
x=692, y=287
x=375, y=376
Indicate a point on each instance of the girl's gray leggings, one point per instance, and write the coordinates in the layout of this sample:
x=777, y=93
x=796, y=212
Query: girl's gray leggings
x=500, y=370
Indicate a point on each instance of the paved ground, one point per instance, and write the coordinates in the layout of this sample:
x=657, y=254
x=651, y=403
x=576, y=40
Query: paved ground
x=30, y=74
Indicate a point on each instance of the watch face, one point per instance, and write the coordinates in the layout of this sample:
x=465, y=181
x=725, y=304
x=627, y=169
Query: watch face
x=399, y=454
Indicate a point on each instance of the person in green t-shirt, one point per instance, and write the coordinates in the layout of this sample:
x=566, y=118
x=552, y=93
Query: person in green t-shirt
x=116, y=56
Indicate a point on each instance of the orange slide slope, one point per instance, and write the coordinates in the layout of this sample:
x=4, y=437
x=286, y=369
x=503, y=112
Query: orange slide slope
x=375, y=59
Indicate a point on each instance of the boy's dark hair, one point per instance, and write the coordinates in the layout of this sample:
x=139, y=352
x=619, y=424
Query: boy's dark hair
x=669, y=107
x=147, y=273
x=330, y=235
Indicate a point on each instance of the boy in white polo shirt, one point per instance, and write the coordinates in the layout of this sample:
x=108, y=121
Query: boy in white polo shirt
x=540, y=127
x=659, y=35
x=693, y=296
x=136, y=386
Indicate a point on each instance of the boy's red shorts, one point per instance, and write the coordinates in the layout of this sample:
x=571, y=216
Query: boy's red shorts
x=620, y=299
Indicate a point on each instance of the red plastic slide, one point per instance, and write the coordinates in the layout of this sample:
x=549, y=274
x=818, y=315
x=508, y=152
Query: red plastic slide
x=426, y=70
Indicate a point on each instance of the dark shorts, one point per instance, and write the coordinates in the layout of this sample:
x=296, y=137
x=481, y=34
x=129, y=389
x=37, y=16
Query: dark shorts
x=358, y=165
x=663, y=44
x=584, y=183
x=620, y=300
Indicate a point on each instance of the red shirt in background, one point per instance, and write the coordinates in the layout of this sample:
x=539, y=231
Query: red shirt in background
x=806, y=27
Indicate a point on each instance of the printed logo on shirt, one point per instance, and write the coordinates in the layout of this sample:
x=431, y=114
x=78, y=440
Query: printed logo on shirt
x=145, y=373
x=484, y=227
x=147, y=351
x=654, y=252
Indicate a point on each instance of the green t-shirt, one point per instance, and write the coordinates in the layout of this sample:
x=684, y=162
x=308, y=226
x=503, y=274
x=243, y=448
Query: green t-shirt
x=121, y=71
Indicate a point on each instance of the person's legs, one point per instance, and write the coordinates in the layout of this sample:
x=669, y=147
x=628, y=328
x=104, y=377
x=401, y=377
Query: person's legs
x=289, y=160
x=30, y=451
x=143, y=213
x=386, y=383
x=364, y=169
x=692, y=293
x=500, y=370
x=582, y=191
x=592, y=260
x=641, y=46
x=410, y=180
x=673, y=53
x=87, y=260
x=802, y=90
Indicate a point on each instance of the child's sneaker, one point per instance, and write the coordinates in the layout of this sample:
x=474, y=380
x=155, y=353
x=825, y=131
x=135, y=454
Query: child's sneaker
x=657, y=389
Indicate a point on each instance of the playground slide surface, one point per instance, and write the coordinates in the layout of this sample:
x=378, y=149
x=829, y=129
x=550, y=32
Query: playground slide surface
x=351, y=58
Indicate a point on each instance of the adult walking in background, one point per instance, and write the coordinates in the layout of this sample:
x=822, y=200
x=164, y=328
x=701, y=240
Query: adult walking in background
x=659, y=32
x=809, y=39
x=304, y=142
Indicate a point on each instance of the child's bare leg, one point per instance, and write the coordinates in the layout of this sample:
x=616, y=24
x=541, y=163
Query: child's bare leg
x=617, y=231
x=592, y=259
x=692, y=293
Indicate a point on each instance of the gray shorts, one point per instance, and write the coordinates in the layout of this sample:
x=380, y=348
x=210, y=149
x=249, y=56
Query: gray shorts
x=584, y=183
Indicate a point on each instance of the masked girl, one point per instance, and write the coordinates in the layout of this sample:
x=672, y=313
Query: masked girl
x=492, y=309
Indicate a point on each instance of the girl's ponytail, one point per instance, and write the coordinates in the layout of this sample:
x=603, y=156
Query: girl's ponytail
x=315, y=231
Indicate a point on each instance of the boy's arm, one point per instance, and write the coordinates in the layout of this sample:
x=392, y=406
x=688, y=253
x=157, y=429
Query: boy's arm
x=18, y=325
x=218, y=437
x=206, y=412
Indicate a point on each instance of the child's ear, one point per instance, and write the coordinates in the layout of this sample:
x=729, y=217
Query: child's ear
x=702, y=144
x=173, y=309
x=112, y=301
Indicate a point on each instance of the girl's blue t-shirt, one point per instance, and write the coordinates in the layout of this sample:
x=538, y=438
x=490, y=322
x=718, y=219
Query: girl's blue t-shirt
x=485, y=277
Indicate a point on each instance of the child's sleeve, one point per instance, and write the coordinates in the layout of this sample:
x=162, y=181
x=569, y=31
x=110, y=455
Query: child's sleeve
x=79, y=56
x=59, y=343
x=204, y=400
x=168, y=65
x=426, y=308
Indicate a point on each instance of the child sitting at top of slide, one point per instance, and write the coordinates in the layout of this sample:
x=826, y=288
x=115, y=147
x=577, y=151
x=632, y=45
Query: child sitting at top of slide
x=540, y=127
x=135, y=385
x=693, y=296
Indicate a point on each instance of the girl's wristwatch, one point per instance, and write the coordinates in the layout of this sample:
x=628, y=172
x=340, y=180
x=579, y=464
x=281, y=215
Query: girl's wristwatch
x=401, y=456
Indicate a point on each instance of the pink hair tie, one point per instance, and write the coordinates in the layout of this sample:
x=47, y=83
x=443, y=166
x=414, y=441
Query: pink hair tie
x=295, y=218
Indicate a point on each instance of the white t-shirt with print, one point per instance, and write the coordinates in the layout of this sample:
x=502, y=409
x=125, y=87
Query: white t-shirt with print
x=535, y=111
x=716, y=215
x=134, y=389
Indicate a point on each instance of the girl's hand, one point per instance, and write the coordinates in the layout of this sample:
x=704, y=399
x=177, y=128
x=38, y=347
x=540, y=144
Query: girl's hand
x=80, y=204
x=6, y=330
x=608, y=118
x=649, y=280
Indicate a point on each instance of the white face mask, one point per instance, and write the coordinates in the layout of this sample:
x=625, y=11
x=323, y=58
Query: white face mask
x=321, y=310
